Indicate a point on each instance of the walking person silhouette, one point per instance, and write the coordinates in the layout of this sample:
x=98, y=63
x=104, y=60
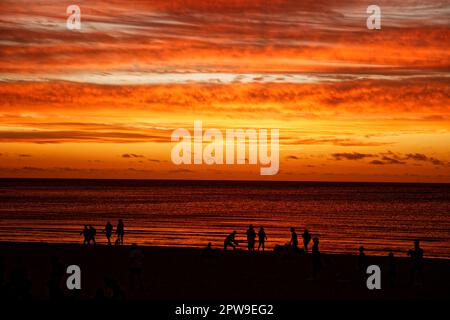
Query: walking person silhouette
x=251, y=237
x=120, y=231
x=86, y=235
x=92, y=233
x=108, y=231
x=416, y=272
x=262, y=237
x=362, y=261
x=294, y=240
x=316, y=258
x=306, y=239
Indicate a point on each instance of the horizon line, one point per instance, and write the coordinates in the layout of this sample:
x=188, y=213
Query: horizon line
x=225, y=180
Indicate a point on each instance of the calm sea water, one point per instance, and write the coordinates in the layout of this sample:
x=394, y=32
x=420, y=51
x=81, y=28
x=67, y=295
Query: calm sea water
x=191, y=213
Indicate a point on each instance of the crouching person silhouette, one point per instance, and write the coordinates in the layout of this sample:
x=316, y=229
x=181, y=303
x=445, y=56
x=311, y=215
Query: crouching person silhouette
x=230, y=241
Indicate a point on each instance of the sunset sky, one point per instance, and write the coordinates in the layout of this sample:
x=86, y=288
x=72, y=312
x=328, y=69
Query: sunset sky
x=351, y=104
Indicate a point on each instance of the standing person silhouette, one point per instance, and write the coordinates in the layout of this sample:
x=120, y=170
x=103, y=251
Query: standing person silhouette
x=316, y=258
x=262, y=237
x=416, y=273
x=108, y=231
x=294, y=240
x=230, y=241
x=120, y=231
x=362, y=261
x=306, y=239
x=86, y=235
x=92, y=233
x=251, y=238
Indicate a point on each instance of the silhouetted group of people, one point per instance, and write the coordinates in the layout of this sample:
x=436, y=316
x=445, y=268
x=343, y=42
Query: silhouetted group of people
x=416, y=276
x=89, y=233
x=416, y=254
x=294, y=240
x=230, y=240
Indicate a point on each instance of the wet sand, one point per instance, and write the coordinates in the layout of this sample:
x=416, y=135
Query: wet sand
x=185, y=274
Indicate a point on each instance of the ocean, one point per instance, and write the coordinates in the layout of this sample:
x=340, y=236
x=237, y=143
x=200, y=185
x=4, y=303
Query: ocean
x=382, y=217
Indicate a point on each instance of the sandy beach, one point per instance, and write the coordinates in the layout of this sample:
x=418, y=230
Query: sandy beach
x=171, y=274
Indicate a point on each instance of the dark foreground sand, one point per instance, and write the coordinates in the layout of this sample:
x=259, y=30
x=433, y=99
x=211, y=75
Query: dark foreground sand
x=186, y=275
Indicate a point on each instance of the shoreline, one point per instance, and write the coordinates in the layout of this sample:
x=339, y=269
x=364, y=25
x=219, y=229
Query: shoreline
x=227, y=181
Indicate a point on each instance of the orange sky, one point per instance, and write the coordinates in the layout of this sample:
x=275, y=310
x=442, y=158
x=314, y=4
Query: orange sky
x=351, y=104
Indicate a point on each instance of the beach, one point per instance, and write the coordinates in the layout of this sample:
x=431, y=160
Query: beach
x=187, y=274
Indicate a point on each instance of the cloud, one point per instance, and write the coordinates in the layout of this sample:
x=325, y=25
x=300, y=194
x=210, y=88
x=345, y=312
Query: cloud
x=33, y=169
x=375, y=99
x=292, y=157
x=181, y=171
x=140, y=170
x=390, y=160
x=44, y=137
x=339, y=142
x=423, y=157
x=390, y=157
x=22, y=155
x=351, y=156
x=132, y=155
x=158, y=35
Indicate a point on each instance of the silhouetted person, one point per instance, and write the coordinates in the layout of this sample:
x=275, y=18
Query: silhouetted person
x=306, y=239
x=92, y=233
x=136, y=266
x=108, y=231
x=294, y=240
x=362, y=261
x=262, y=237
x=316, y=258
x=208, y=251
x=251, y=238
x=392, y=270
x=120, y=231
x=230, y=241
x=86, y=235
x=416, y=255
